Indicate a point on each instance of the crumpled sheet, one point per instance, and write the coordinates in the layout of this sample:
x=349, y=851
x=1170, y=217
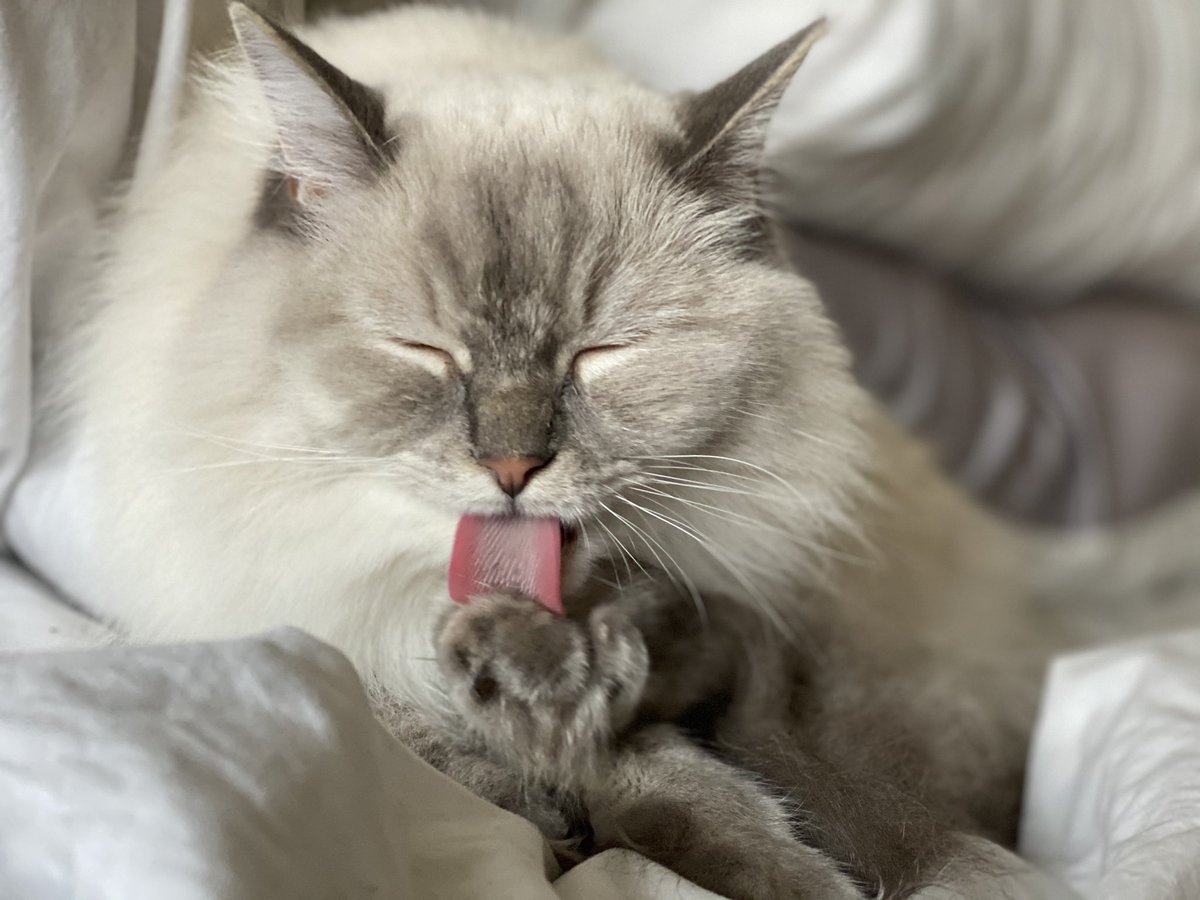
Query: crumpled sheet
x=249, y=769
x=1112, y=803
x=253, y=768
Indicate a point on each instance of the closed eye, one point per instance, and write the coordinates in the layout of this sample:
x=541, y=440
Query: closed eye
x=432, y=359
x=593, y=362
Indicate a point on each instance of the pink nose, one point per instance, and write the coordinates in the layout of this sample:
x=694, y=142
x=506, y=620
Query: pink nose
x=513, y=472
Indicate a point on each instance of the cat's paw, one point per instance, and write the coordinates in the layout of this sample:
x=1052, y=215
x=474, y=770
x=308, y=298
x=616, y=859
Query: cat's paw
x=547, y=692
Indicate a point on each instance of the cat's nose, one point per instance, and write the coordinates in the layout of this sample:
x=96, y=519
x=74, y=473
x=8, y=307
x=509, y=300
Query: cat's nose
x=513, y=472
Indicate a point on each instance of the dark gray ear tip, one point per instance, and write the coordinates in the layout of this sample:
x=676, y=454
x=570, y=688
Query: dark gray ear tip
x=819, y=28
x=246, y=19
x=803, y=40
x=238, y=11
x=252, y=29
x=724, y=128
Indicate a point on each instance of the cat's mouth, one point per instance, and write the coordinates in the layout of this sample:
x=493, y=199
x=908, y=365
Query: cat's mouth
x=513, y=552
x=570, y=534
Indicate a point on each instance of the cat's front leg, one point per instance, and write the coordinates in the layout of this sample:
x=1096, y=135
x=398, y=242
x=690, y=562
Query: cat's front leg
x=546, y=693
x=714, y=824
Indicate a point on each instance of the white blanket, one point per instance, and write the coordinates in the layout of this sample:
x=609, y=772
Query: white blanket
x=1112, y=802
x=254, y=768
x=248, y=769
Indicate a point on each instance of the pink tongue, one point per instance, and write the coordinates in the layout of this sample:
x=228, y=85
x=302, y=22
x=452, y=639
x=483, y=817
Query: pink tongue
x=508, y=552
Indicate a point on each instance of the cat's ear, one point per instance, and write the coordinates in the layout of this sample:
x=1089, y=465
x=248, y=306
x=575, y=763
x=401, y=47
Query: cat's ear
x=330, y=128
x=725, y=127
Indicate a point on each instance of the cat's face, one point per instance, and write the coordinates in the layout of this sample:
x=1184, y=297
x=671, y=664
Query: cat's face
x=571, y=311
x=591, y=295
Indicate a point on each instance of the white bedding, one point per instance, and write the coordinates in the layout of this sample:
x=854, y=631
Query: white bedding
x=253, y=768
x=1112, y=801
x=246, y=769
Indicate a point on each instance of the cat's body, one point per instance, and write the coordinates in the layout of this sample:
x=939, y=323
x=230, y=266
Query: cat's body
x=265, y=452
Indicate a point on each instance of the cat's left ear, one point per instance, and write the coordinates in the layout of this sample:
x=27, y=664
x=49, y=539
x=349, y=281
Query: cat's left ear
x=330, y=128
x=725, y=127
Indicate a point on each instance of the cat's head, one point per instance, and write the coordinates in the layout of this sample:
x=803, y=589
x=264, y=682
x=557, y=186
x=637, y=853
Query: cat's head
x=530, y=298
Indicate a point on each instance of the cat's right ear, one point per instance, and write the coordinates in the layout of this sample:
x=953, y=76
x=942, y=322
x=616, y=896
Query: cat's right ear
x=725, y=127
x=329, y=127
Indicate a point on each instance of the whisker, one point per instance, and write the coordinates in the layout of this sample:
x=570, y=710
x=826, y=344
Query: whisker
x=235, y=443
x=651, y=543
x=791, y=427
x=626, y=553
x=307, y=461
x=616, y=586
x=677, y=481
x=740, y=519
x=616, y=574
x=767, y=605
x=687, y=467
x=731, y=459
x=717, y=512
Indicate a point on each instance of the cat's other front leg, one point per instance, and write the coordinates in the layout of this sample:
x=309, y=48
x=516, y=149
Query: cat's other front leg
x=546, y=693
x=668, y=799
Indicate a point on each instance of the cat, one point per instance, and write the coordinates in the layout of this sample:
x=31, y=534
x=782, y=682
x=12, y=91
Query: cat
x=422, y=264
